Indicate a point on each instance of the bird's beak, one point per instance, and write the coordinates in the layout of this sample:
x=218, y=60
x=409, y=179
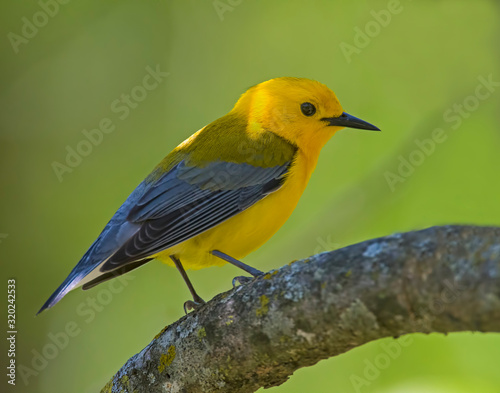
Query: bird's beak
x=349, y=121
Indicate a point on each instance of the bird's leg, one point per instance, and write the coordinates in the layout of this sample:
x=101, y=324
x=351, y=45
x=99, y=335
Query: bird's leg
x=197, y=300
x=249, y=269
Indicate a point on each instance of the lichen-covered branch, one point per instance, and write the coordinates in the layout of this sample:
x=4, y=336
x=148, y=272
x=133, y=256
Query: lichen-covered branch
x=441, y=279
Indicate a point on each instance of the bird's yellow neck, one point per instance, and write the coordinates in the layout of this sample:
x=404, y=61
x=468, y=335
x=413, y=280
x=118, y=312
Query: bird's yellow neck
x=308, y=161
x=265, y=110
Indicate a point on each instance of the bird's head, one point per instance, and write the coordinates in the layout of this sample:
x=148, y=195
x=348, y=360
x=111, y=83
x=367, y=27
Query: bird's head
x=302, y=111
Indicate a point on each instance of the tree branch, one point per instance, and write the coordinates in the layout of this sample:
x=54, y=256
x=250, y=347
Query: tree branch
x=441, y=279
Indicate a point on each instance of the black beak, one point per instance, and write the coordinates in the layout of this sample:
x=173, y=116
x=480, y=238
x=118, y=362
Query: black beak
x=349, y=121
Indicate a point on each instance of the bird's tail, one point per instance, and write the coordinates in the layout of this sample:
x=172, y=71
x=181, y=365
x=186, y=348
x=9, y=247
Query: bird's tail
x=67, y=285
x=117, y=231
x=82, y=269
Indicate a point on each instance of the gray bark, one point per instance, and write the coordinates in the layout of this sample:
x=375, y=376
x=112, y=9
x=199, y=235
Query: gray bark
x=441, y=279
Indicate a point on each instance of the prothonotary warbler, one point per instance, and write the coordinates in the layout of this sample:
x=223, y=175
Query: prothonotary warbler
x=224, y=191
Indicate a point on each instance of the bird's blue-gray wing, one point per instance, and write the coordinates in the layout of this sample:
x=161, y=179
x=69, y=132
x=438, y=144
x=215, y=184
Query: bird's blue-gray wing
x=189, y=200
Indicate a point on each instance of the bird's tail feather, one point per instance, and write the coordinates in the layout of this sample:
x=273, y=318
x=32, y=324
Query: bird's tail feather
x=71, y=282
x=82, y=269
x=116, y=232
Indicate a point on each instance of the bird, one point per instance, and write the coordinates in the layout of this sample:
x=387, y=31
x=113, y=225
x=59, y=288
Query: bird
x=224, y=191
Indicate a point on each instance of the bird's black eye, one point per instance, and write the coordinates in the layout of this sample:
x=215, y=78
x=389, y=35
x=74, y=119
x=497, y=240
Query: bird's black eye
x=308, y=109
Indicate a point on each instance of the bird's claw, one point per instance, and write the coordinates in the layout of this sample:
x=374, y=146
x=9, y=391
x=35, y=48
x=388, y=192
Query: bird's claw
x=241, y=280
x=193, y=304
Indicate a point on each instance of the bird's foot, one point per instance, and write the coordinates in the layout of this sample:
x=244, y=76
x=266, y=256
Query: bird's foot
x=193, y=304
x=242, y=280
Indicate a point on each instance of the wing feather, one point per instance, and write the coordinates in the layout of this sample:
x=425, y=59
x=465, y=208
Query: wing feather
x=189, y=200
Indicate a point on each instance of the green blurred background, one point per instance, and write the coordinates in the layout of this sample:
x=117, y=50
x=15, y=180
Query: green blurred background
x=423, y=63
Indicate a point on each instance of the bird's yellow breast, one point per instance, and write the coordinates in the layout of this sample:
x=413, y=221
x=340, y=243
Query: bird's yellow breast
x=248, y=230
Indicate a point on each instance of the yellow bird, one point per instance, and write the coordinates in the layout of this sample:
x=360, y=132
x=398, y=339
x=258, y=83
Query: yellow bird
x=224, y=191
